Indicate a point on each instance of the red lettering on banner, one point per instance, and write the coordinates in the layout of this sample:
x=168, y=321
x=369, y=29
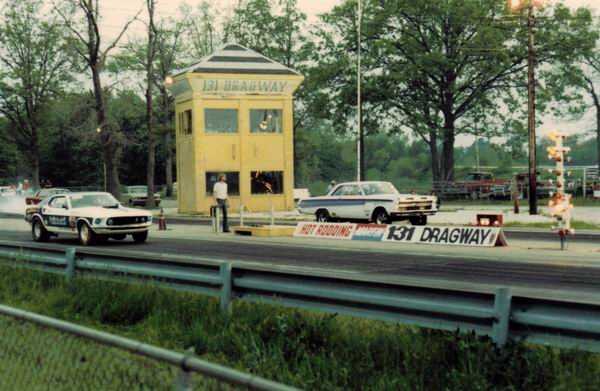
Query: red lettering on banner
x=308, y=229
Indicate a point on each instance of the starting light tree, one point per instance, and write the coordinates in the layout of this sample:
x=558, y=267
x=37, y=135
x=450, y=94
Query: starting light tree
x=560, y=203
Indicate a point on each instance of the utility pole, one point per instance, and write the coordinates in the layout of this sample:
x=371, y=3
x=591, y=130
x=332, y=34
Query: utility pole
x=360, y=142
x=531, y=60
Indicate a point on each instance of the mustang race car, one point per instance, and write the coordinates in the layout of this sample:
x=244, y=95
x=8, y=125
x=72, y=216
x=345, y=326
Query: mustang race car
x=93, y=217
x=378, y=202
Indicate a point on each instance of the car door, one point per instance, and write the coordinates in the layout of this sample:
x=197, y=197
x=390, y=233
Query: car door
x=348, y=202
x=354, y=202
x=57, y=214
x=336, y=203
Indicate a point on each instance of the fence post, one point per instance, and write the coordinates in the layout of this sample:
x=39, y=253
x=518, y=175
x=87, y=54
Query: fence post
x=502, y=304
x=70, y=257
x=226, y=280
x=183, y=382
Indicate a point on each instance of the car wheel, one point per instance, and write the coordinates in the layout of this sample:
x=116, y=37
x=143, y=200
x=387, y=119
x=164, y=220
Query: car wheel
x=87, y=237
x=140, y=237
x=418, y=220
x=38, y=231
x=323, y=216
x=380, y=216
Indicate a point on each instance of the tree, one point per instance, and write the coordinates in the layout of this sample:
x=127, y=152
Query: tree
x=200, y=29
x=435, y=67
x=150, y=81
x=34, y=67
x=169, y=46
x=592, y=60
x=87, y=41
x=573, y=80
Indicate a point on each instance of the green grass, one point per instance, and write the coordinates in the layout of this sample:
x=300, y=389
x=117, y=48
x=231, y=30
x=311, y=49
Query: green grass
x=308, y=350
x=576, y=224
x=577, y=201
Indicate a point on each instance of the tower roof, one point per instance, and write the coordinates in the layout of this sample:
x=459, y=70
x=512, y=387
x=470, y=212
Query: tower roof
x=235, y=58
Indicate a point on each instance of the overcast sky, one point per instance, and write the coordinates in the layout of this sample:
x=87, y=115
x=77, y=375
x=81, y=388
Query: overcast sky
x=117, y=12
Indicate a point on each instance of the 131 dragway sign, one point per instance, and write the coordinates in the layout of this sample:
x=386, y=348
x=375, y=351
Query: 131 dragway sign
x=457, y=236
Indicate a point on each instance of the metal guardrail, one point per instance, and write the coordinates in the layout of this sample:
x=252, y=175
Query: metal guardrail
x=187, y=364
x=497, y=313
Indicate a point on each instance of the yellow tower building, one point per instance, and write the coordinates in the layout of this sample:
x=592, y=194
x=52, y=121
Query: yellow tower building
x=234, y=116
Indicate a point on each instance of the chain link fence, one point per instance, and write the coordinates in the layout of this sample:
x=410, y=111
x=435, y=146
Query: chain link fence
x=35, y=357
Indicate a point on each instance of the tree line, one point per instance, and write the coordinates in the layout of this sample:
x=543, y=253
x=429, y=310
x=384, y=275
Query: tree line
x=82, y=109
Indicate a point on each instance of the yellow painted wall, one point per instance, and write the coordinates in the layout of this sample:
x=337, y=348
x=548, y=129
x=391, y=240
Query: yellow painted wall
x=241, y=152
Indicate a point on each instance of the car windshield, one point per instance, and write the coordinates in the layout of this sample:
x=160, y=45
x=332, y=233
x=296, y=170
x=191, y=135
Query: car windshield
x=86, y=200
x=137, y=189
x=378, y=188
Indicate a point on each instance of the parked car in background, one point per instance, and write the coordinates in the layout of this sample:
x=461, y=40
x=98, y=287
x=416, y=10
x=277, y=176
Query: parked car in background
x=137, y=196
x=7, y=191
x=377, y=202
x=475, y=185
x=93, y=217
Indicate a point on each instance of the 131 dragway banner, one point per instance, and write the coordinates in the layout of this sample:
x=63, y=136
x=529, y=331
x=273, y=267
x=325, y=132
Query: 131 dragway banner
x=456, y=236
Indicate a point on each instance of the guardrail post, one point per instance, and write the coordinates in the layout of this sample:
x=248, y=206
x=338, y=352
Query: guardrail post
x=183, y=382
x=226, y=280
x=70, y=257
x=502, y=304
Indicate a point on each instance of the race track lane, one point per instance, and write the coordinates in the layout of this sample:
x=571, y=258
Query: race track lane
x=529, y=275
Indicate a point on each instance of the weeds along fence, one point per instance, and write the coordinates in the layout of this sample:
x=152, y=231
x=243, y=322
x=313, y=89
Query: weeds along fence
x=40, y=351
x=544, y=317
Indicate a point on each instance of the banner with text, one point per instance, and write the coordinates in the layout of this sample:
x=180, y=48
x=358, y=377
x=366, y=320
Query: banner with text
x=455, y=236
x=340, y=231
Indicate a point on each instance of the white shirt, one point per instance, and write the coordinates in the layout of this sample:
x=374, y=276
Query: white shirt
x=220, y=190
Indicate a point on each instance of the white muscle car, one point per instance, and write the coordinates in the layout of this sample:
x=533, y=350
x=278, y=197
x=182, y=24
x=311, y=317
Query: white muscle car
x=92, y=217
x=377, y=202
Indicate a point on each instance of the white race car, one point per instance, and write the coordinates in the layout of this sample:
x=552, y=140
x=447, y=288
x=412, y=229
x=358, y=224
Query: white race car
x=93, y=217
x=377, y=202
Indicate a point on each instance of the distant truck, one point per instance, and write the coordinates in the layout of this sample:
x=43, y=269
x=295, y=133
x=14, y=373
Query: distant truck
x=475, y=185
x=137, y=196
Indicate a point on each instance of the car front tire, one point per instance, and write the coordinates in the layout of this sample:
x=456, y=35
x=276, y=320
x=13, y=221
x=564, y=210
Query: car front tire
x=140, y=237
x=87, y=237
x=38, y=231
x=322, y=216
x=380, y=216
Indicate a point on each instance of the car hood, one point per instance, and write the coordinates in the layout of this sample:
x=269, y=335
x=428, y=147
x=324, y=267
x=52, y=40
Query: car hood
x=96, y=211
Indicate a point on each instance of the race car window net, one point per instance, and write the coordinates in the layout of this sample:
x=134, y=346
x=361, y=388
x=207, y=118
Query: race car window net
x=348, y=190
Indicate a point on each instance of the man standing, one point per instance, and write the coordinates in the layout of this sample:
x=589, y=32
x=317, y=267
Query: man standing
x=220, y=194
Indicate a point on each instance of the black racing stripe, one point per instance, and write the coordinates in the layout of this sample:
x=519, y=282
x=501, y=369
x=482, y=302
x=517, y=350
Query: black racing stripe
x=246, y=71
x=240, y=59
